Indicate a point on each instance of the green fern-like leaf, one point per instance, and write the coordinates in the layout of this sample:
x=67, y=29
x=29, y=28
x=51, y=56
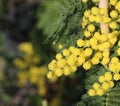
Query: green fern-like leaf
x=112, y=98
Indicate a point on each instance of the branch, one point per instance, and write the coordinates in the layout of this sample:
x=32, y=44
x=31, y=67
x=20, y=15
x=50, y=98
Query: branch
x=104, y=27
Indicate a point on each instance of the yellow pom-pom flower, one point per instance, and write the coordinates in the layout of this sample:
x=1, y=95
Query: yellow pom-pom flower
x=71, y=60
x=87, y=13
x=76, y=52
x=114, y=14
x=87, y=33
x=95, y=60
x=71, y=48
x=92, y=18
x=101, y=79
x=100, y=91
x=88, y=52
x=116, y=76
x=80, y=60
x=99, y=55
x=105, y=85
x=66, y=52
x=113, y=2
x=91, y=28
x=58, y=72
x=105, y=60
x=108, y=76
x=114, y=60
x=113, y=25
x=111, y=84
x=50, y=75
x=93, y=41
x=106, y=53
x=87, y=65
x=96, y=85
x=66, y=70
x=112, y=67
x=61, y=63
x=91, y=92
x=95, y=10
x=80, y=42
x=59, y=56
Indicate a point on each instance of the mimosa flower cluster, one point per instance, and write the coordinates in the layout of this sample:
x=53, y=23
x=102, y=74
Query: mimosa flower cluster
x=29, y=69
x=101, y=15
x=94, y=48
x=112, y=19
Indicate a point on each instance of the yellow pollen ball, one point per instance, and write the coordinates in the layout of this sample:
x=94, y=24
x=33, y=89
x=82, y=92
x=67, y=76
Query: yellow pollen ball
x=58, y=72
x=87, y=43
x=114, y=14
x=73, y=68
x=61, y=63
x=111, y=84
x=105, y=60
x=96, y=85
x=112, y=67
x=87, y=33
x=81, y=60
x=95, y=60
x=71, y=60
x=52, y=65
x=114, y=60
x=99, y=55
x=92, y=18
x=87, y=65
x=116, y=76
x=66, y=70
x=93, y=41
x=91, y=28
x=106, y=53
x=100, y=92
x=101, y=78
x=105, y=85
x=91, y=92
x=97, y=35
x=59, y=56
x=95, y=10
x=87, y=13
x=80, y=42
x=108, y=76
x=113, y=2
x=71, y=48
x=113, y=25
x=88, y=52
x=66, y=52
x=49, y=75
x=76, y=52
